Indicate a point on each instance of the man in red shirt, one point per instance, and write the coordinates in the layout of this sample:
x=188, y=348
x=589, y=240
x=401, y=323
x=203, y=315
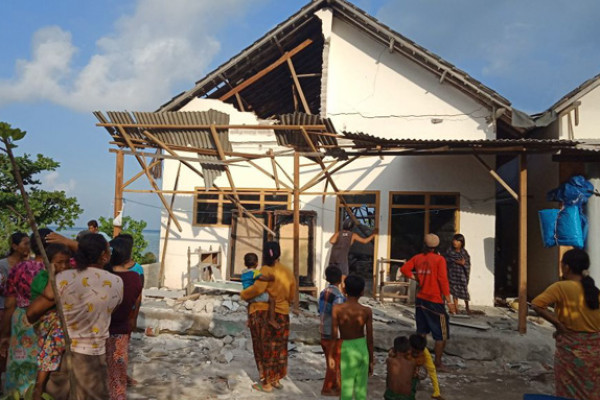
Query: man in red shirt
x=430, y=272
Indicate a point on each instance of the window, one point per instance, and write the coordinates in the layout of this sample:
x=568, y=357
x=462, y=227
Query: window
x=412, y=215
x=215, y=208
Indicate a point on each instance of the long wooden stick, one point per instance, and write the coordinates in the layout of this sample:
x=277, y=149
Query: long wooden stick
x=298, y=87
x=523, y=309
x=266, y=70
x=118, y=203
x=497, y=177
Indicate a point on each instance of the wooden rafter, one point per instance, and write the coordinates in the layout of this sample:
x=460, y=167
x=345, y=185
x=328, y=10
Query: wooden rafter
x=267, y=173
x=497, y=177
x=274, y=165
x=298, y=86
x=142, y=163
x=161, y=273
x=266, y=70
x=319, y=175
x=235, y=201
x=136, y=176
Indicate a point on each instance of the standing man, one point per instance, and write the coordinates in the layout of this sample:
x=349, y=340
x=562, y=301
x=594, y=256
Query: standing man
x=93, y=228
x=429, y=270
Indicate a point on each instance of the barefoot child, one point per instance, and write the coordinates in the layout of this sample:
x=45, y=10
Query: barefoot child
x=329, y=297
x=422, y=356
x=401, y=383
x=354, y=322
x=251, y=274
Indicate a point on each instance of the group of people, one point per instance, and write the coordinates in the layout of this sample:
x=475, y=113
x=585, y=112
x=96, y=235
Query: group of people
x=99, y=287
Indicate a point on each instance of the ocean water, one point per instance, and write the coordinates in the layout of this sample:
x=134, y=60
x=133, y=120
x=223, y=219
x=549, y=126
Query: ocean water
x=152, y=236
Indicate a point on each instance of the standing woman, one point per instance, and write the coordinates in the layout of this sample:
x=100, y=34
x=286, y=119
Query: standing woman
x=88, y=295
x=271, y=344
x=121, y=324
x=576, y=317
x=19, y=251
x=342, y=241
x=16, y=332
x=459, y=270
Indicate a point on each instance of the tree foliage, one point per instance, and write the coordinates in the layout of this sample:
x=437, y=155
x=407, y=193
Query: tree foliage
x=49, y=207
x=134, y=228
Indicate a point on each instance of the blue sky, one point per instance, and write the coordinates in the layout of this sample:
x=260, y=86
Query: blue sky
x=62, y=60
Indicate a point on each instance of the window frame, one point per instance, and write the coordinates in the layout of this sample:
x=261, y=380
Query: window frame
x=221, y=200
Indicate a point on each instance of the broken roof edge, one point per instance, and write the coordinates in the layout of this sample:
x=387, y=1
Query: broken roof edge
x=439, y=66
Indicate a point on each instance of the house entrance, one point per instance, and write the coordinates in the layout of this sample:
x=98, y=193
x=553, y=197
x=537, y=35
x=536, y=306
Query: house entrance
x=365, y=207
x=412, y=215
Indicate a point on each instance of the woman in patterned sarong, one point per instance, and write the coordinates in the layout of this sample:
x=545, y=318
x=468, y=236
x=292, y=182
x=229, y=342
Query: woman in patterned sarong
x=576, y=317
x=270, y=344
x=458, y=262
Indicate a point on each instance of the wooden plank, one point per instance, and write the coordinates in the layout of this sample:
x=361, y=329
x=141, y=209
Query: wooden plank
x=239, y=101
x=139, y=174
x=161, y=273
x=274, y=165
x=297, y=229
x=298, y=87
x=497, y=177
x=149, y=176
x=118, y=204
x=284, y=171
x=523, y=244
x=219, y=147
x=265, y=71
x=345, y=163
x=319, y=175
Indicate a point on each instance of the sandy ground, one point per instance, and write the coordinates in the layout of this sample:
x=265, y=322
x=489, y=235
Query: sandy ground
x=190, y=367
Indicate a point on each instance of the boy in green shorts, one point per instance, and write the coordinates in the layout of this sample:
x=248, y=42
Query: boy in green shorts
x=354, y=322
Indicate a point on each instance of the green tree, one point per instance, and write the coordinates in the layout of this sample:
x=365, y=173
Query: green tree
x=49, y=207
x=134, y=228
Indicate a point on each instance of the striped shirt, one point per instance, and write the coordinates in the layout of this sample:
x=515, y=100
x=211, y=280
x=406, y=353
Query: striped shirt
x=330, y=296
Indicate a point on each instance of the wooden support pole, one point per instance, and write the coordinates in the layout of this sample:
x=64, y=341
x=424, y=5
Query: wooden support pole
x=318, y=176
x=118, y=204
x=268, y=69
x=297, y=229
x=274, y=165
x=163, y=254
x=284, y=171
x=497, y=177
x=142, y=163
x=298, y=87
x=523, y=243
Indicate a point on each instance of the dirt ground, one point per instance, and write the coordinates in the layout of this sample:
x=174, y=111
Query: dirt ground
x=189, y=367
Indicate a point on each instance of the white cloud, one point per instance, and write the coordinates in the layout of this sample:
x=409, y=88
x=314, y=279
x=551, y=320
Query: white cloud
x=52, y=181
x=148, y=53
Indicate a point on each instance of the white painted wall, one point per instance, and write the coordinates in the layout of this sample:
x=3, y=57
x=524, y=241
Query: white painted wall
x=589, y=116
x=370, y=90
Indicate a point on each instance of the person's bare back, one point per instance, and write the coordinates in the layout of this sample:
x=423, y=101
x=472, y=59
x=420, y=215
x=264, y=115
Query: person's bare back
x=400, y=372
x=352, y=318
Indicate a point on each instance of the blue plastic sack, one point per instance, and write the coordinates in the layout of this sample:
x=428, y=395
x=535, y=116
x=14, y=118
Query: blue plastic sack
x=548, y=220
x=576, y=191
x=569, y=230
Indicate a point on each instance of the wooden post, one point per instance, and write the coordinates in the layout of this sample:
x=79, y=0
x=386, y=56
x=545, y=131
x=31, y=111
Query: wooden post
x=118, y=189
x=297, y=229
x=163, y=254
x=523, y=243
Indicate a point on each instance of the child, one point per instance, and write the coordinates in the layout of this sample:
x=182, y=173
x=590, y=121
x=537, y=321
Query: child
x=401, y=383
x=423, y=358
x=353, y=321
x=329, y=297
x=251, y=274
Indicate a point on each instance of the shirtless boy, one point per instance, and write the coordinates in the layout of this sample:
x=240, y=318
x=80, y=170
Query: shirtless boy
x=354, y=322
x=401, y=383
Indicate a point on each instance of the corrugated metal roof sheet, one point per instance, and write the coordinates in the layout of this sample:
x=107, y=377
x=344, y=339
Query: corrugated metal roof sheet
x=365, y=140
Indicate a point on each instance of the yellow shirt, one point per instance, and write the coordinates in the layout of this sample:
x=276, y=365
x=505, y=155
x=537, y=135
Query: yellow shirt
x=570, y=307
x=282, y=289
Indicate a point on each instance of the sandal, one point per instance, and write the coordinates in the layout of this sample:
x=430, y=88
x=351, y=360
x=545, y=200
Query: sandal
x=277, y=385
x=260, y=388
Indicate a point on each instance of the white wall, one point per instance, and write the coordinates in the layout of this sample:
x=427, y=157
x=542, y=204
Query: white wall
x=589, y=116
x=385, y=86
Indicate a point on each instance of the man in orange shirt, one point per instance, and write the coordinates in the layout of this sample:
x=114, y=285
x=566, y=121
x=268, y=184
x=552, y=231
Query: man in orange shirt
x=430, y=272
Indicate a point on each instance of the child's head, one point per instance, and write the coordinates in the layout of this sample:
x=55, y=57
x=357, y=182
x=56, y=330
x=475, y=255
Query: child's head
x=333, y=275
x=417, y=344
x=250, y=260
x=401, y=345
x=59, y=255
x=354, y=286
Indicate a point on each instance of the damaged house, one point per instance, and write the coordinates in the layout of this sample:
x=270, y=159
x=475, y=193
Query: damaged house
x=337, y=116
